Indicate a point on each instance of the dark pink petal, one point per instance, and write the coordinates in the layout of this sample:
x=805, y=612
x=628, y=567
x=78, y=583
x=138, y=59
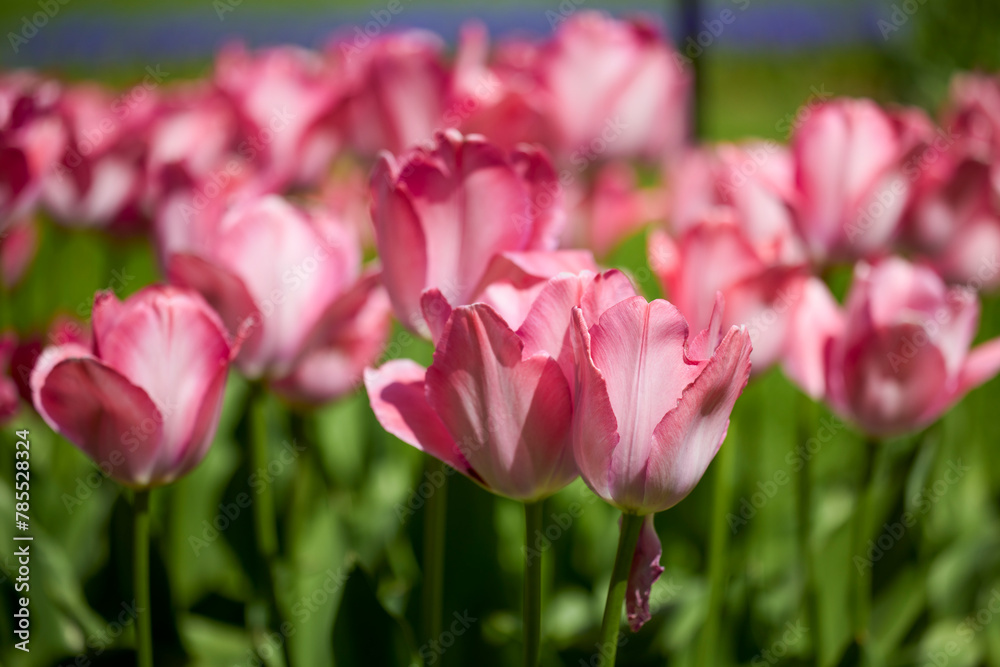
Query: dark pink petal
x=100, y=411
x=436, y=311
x=646, y=569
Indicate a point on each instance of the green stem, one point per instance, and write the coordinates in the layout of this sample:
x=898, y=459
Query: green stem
x=862, y=594
x=532, y=611
x=434, y=534
x=265, y=523
x=718, y=549
x=140, y=574
x=809, y=587
x=631, y=526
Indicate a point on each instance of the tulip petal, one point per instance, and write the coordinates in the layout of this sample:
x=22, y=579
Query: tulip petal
x=534, y=166
x=510, y=415
x=646, y=569
x=816, y=320
x=96, y=408
x=398, y=398
x=595, y=426
x=436, y=311
x=639, y=348
x=688, y=437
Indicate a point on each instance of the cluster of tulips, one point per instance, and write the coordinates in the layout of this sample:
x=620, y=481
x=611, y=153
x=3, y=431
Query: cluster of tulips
x=488, y=182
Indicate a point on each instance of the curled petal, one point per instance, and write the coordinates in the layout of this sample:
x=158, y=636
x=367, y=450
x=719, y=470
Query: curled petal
x=646, y=569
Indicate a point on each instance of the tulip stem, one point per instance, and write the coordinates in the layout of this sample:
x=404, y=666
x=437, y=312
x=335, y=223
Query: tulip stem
x=630, y=529
x=265, y=522
x=140, y=574
x=863, y=581
x=809, y=588
x=532, y=605
x=434, y=533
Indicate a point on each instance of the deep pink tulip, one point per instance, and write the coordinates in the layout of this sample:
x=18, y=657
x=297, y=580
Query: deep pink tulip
x=32, y=138
x=850, y=160
x=286, y=98
x=716, y=256
x=144, y=401
x=9, y=396
x=396, y=87
x=652, y=409
x=100, y=181
x=444, y=212
x=614, y=89
x=289, y=283
x=954, y=219
x=452, y=410
x=897, y=357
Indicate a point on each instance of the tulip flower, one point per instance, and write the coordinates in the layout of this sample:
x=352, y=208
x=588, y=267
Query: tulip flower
x=716, y=256
x=32, y=138
x=897, y=356
x=9, y=397
x=852, y=186
x=973, y=113
x=122, y=403
x=18, y=245
x=613, y=89
x=497, y=403
x=287, y=99
x=395, y=88
x=443, y=213
x=289, y=282
x=100, y=180
x=652, y=409
x=143, y=402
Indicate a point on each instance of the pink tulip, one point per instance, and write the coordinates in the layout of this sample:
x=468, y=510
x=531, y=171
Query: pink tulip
x=450, y=410
x=443, y=213
x=32, y=138
x=973, y=113
x=100, y=181
x=290, y=284
x=395, y=89
x=615, y=89
x=9, y=398
x=18, y=245
x=954, y=218
x=850, y=161
x=717, y=257
x=286, y=98
x=898, y=356
x=144, y=402
x=753, y=184
x=652, y=409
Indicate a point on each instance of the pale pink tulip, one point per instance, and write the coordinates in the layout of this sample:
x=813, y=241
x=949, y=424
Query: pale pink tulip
x=144, y=401
x=898, y=356
x=289, y=283
x=395, y=89
x=287, y=99
x=444, y=212
x=615, y=89
x=850, y=160
x=652, y=409
x=450, y=410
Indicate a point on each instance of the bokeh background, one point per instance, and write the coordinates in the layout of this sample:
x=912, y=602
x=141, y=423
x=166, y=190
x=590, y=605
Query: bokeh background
x=351, y=529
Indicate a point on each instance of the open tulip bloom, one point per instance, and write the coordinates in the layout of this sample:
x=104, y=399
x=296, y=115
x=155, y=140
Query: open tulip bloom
x=143, y=402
